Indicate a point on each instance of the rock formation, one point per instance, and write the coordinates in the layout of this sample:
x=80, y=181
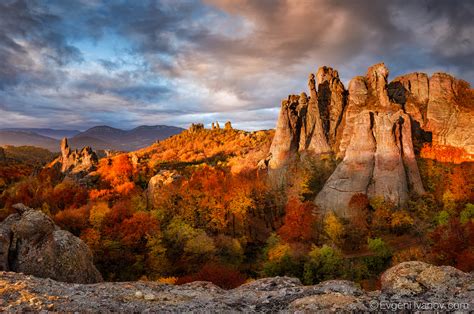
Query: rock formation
x=413, y=285
x=196, y=127
x=373, y=127
x=228, y=126
x=32, y=244
x=76, y=161
x=163, y=178
x=450, y=123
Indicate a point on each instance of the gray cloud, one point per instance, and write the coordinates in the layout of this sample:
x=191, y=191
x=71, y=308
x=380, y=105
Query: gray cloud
x=126, y=63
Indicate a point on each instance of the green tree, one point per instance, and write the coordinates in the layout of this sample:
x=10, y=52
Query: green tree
x=323, y=263
x=467, y=214
x=381, y=255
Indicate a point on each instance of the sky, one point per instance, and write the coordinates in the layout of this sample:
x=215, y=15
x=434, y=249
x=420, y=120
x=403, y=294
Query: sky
x=79, y=63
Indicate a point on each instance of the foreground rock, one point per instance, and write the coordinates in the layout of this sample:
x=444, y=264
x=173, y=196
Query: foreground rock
x=31, y=243
x=411, y=285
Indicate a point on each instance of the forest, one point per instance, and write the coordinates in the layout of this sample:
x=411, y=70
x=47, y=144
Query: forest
x=215, y=216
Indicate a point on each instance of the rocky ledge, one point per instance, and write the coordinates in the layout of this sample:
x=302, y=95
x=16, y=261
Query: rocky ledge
x=407, y=286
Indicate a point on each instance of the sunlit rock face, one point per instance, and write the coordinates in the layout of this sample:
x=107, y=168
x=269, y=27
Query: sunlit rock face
x=372, y=128
x=76, y=161
x=451, y=122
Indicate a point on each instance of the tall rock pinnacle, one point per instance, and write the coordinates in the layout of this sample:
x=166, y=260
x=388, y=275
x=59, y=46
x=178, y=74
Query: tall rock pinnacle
x=371, y=128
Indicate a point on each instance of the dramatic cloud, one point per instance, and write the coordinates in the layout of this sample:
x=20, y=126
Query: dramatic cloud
x=124, y=63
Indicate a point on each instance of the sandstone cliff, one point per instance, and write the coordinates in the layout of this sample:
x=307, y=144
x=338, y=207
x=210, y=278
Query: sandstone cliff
x=411, y=286
x=32, y=244
x=374, y=128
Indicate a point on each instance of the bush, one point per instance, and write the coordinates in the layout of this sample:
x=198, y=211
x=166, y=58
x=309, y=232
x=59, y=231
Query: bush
x=381, y=256
x=221, y=275
x=324, y=263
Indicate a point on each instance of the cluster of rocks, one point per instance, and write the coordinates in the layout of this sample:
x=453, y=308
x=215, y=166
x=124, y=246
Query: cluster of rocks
x=410, y=286
x=371, y=128
x=196, y=127
x=31, y=243
x=75, y=162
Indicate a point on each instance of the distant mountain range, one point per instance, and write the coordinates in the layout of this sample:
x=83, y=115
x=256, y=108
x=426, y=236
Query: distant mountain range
x=99, y=137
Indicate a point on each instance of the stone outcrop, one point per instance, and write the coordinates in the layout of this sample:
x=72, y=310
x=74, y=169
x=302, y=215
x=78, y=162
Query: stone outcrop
x=32, y=244
x=375, y=128
x=228, y=126
x=414, y=286
x=76, y=161
x=196, y=127
x=308, y=123
x=377, y=145
x=162, y=178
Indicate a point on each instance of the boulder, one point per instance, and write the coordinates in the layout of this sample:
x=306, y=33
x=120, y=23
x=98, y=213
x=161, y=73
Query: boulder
x=417, y=278
x=162, y=178
x=31, y=243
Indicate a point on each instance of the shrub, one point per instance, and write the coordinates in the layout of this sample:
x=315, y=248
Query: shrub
x=221, y=275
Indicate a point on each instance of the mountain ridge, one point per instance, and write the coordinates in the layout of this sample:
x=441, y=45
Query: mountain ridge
x=98, y=137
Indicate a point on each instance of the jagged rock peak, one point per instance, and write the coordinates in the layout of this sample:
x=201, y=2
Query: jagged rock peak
x=196, y=127
x=377, y=76
x=331, y=101
x=228, y=126
x=31, y=243
x=74, y=161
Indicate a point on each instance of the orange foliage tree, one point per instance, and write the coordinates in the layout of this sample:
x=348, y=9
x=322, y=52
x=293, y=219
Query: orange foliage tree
x=298, y=224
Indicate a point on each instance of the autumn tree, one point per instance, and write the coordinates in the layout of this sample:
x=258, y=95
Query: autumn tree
x=298, y=224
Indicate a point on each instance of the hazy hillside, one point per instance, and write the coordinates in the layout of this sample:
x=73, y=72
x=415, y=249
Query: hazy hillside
x=20, y=138
x=99, y=137
x=53, y=133
x=105, y=137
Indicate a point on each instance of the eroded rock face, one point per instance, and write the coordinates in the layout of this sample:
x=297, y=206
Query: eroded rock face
x=411, y=283
x=31, y=243
x=377, y=147
x=412, y=91
x=374, y=128
x=77, y=161
x=286, y=140
x=450, y=124
x=331, y=101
